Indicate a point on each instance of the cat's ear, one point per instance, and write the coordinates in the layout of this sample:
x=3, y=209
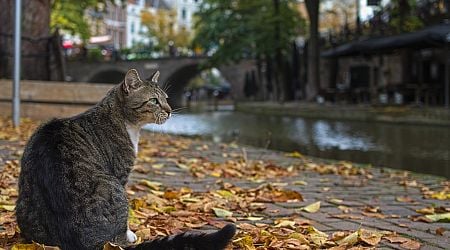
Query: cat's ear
x=154, y=77
x=131, y=81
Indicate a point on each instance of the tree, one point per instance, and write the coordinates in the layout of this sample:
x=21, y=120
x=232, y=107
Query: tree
x=161, y=26
x=69, y=16
x=262, y=30
x=40, y=19
x=35, y=38
x=313, y=76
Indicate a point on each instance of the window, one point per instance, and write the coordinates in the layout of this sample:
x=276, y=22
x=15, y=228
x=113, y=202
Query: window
x=183, y=14
x=132, y=28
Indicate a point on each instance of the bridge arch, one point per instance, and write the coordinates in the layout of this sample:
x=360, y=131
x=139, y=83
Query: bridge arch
x=175, y=71
x=178, y=80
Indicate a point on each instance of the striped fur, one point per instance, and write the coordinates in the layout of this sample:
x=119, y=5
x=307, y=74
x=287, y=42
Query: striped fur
x=74, y=170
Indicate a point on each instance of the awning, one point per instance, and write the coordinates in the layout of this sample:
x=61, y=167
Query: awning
x=100, y=39
x=433, y=36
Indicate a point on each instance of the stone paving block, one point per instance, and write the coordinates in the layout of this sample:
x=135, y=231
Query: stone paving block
x=344, y=225
x=429, y=247
x=439, y=241
x=273, y=210
x=319, y=217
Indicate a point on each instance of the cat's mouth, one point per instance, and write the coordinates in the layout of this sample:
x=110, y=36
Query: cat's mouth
x=161, y=118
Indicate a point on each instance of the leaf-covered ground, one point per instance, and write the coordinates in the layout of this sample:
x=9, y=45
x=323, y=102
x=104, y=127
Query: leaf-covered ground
x=278, y=200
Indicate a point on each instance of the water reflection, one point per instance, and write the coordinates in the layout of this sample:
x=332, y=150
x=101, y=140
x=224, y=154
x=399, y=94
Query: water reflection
x=418, y=148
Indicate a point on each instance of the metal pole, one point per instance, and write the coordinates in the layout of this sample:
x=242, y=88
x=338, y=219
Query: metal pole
x=16, y=87
x=447, y=73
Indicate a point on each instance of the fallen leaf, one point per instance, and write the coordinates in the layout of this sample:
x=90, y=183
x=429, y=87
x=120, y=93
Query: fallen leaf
x=301, y=183
x=222, y=213
x=440, y=231
x=439, y=217
x=245, y=242
x=111, y=246
x=411, y=245
x=404, y=199
x=251, y=218
x=294, y=154
x=311, y=208
x=8, y=207
x=369, y=237
x=33, y=246
x=285, y=223
x=426, y=210
x=349, y=240
x=317, y=237
x=151, y=184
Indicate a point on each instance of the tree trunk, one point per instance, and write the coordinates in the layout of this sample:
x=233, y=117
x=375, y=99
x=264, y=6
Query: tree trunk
x=35, y=39
x=313, y=83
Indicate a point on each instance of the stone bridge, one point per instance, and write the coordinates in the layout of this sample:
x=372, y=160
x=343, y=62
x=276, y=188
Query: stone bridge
x=175, y=71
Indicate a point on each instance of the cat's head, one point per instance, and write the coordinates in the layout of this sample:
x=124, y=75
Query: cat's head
x=143, y=100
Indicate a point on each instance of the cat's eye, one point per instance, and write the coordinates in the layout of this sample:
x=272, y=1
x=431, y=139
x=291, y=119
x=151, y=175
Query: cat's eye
x=153, y=101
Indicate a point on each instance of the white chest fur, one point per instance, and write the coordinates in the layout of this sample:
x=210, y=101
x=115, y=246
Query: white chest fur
x=133, y=132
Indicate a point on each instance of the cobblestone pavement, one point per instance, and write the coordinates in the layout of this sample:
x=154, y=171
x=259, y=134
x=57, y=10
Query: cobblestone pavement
x=396, y=202
x=381, y=199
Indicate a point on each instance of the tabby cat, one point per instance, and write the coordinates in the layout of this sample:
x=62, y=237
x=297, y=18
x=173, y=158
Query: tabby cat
x=74, y=172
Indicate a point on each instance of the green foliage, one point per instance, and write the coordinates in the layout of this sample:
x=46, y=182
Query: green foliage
x=403, y=17
x=69, y=15
x=95, y=54
x=239, y=29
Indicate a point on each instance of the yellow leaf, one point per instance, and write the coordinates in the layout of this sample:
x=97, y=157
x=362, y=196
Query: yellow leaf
x=439, y=217
x=301, y=183
x=299, y=237
x=335, y=201
x=426, y=210
x=285, y=223
x=251, y=218
x=8, y=207
x=349, y=240
x=295, y=154
x=245, y=242
x=151, y=184
x=317, y=237
x=225, y=194
x=311, y=208
x=441, y=196
x=222, y=213
x=216, y=174
x=158, y=166
x=111, y=246
x=33, y=246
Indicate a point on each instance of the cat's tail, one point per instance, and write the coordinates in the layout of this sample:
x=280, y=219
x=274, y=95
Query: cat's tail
x=190, y=240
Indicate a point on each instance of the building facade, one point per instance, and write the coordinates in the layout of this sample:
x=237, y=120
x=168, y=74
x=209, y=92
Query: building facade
x=185, y=12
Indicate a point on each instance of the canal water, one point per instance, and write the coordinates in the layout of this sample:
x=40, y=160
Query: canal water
x=424, y=149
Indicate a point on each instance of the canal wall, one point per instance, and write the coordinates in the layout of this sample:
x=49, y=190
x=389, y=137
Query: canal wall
x=44, y=99
x=390, y=114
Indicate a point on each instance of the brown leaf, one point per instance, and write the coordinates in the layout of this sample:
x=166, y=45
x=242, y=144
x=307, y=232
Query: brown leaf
x=440, y=231
x=369, y=237
x=411, y=245
x=395, y=239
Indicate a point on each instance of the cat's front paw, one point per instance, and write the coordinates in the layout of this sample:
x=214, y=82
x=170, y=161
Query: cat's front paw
x=131, y=237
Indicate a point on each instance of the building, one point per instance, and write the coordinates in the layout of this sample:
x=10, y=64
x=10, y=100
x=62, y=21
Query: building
x=108, y=25
x=410, y=68
x=185, y=12
x=136, y=32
